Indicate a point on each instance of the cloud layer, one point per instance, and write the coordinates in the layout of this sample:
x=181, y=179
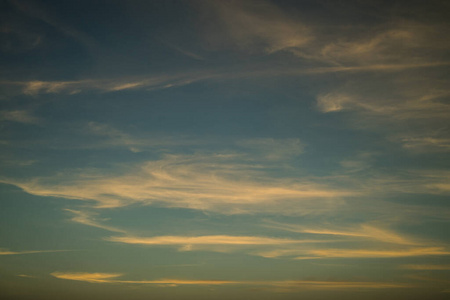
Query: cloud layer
x=291, y=284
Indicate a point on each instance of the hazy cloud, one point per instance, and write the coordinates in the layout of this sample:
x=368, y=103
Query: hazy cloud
x=426, y=267
x=254, y=26
x=88, y=218
x=204, y=182
x=291, y=284
x=363, y=231
x=371, y=253
x=20, y=116
x=7, y=252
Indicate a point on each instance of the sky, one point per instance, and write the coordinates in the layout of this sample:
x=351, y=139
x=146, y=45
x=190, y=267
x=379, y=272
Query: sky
x=202, y=149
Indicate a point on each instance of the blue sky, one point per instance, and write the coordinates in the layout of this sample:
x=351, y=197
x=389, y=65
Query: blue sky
x=224, y=149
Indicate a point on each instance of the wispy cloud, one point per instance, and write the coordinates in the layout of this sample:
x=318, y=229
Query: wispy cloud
x=421, y=144
x=426, y=267
x=362, y=252
x=408, y=107
x=361, y=241
x=392, y=43
x=272, y=149
x=254, y=26
x=363, y=231
x=171, y=80
x=411, y=94
x=264, y=27
x=88, y=218
x=370, y=253
x=88, y=277
x=7, y=252
x=403, y=109
x=291, y=284
x=214, y=243
x=233, y=183
x=270, y=247
x=204, y=240
x=20, y=116
x=33, y=10
x=204, y=182
x=36, y=87
x=26, y=276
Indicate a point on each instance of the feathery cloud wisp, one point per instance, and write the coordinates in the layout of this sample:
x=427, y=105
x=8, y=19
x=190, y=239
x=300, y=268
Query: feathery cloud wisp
x=211, y=182
x=290, y=284
x=87, y=218
x=369, y=253
x=364, y=231
x=7, y=252
x=204, y=240
x=254, y=26
x=20, y=116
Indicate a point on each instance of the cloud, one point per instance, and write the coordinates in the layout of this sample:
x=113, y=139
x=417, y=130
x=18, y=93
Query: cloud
x=426, y=267
x=16, y=38
x=184, y=51
x=264, y=27
x=108, y=84
x=362, y=252
x=369, y=253
x=110, y=278
x=244, y=182
x=253, y=245
x=7, y=252
x=39, y=12
x=87, y=218
x=394, y=43
x=210, y=182
x=405, y=107
x=36, y=87
x=273, y=149
x=431, y=182
x=26, y=276
x=88, y=277
x=252, y=26
x=421, y=144
x=102, y=136
x=333, y=102
x=290, y=284
x=270, y=247
x=408, y=110
x=109, y=136
x=363, y=231
x=408, y=103
x=19, y=116
x=214, y=243
x=436, y=181
x=204, y=240
x=362, y=241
